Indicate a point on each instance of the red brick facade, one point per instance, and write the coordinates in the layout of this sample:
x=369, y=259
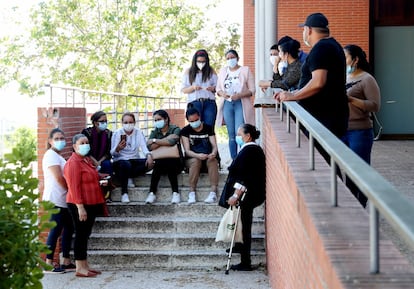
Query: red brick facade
x=348, y=22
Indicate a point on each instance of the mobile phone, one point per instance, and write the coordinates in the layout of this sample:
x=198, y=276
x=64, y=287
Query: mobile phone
x=123, y=137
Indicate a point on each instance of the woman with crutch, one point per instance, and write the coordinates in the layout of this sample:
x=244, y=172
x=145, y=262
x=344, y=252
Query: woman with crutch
x=247, y=173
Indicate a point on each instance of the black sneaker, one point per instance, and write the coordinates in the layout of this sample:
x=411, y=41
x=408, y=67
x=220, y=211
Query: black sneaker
x=69, y=267
x=56, y=270
x=241, y=267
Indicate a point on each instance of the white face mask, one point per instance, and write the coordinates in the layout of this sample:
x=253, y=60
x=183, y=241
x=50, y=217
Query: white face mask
x=281, y=67
x=128, y=127
x=200, y=65
x=272, y=59
x=305, y=39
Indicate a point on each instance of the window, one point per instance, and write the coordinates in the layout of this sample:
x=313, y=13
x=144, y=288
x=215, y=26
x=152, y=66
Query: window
x=394, y=12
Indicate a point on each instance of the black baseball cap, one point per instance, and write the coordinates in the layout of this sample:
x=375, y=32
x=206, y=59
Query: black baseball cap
x=316, y=20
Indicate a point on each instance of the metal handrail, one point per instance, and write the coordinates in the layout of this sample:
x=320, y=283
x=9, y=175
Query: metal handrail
x=111, y=102
x=383, y=197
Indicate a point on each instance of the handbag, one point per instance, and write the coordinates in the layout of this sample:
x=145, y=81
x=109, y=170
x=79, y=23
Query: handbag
x=230, y=222
x=164, y=152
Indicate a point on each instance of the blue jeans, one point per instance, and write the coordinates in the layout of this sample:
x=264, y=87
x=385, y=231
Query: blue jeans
x=360, y=141
x=63, y=223
x=233, y=117
x=207, y=109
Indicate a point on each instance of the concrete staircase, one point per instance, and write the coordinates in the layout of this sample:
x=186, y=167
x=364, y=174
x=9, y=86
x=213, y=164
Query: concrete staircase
x=165, y=235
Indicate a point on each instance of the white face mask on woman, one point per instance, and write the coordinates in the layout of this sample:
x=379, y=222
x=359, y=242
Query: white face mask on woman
x=128, y=127
x=281, y=67
x=200, y=65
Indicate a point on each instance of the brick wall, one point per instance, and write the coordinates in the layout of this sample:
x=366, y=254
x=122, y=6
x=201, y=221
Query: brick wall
x=348, y=22
x=309, y=243
x=249, y=35
x=71, y=121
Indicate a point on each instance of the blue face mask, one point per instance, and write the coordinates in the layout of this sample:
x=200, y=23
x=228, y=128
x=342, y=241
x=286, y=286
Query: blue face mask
x=195, y=124
x=159, y=123
x=102, y=126
x=239, y=140
x=84, y=149
x=350, y=69
x=59, y=144
x=232, y=62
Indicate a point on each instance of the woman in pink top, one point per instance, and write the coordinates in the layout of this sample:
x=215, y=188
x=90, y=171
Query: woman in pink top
x=85, y=200
x=236, y=88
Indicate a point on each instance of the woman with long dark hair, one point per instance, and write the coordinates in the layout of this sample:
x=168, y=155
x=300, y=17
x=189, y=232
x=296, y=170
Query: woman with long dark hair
x=364, y=99
x=199, y=83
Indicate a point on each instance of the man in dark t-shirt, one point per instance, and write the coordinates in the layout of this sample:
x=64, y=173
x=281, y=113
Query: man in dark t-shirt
x=200, y=145
x=322, y=85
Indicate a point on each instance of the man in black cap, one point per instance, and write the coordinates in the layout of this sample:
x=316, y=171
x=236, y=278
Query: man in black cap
x=322, y=84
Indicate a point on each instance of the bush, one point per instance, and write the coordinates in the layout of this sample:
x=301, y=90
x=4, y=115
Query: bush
x=20, y=224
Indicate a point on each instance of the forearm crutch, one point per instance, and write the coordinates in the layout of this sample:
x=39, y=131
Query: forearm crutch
x=234, y=235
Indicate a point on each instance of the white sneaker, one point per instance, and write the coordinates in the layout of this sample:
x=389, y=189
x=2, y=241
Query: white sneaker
x=151, y=198
x=176, y=198
x=191, y=198
x=131, y=183
x=125, y=198
x=212, y=198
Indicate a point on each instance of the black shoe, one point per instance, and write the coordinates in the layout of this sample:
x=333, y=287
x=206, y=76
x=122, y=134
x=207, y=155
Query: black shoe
x=236, y=249
x=241, y=267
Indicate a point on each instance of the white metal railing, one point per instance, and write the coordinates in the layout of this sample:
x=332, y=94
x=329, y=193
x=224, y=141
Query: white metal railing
x=113, y=103
x=383, y=197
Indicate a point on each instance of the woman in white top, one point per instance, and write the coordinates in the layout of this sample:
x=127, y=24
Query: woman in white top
x=236, y=87
x=128, y=148
x=199, y=82
x=55, y=190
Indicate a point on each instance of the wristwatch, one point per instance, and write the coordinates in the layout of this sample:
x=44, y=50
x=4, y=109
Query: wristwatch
x=154, y=140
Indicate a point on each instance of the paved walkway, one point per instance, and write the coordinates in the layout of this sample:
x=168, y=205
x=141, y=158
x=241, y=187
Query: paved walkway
x=393, y=159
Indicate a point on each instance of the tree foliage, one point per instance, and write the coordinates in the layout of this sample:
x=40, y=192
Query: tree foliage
x=135, y=46
x=20, y=225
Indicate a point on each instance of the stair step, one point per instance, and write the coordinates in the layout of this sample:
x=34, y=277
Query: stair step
x=212, y=259
x=158, y=209
x=162, y=241
x=119, y=225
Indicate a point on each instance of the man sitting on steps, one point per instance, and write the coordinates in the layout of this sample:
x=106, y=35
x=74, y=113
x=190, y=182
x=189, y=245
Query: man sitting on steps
x=199, y=142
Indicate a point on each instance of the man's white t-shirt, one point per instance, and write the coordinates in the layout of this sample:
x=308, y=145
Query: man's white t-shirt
x=53, y=191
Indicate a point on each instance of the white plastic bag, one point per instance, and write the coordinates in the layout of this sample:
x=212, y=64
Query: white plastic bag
x=227, y=225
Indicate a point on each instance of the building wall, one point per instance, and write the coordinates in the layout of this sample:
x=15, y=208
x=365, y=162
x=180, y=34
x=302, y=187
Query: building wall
x=348, y=22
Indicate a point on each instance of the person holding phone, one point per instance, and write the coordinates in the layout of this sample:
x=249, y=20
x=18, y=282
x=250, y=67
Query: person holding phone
x=199, y=83
x=130, y=153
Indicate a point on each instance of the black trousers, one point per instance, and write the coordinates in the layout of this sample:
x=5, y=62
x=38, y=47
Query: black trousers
x=247, y=220
x=83, y=229
x=170, y=167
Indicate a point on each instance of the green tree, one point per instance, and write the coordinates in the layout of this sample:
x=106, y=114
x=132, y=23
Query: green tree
x=135, y=46
x=20, y=224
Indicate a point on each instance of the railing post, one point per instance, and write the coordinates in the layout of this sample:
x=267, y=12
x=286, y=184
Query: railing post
x=311, y=153
x=287, y=120
x=334, y=184
x=373, y=238
x=297, y=133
